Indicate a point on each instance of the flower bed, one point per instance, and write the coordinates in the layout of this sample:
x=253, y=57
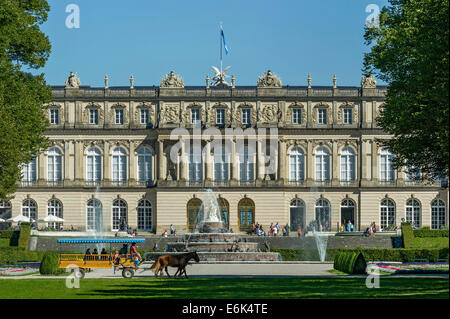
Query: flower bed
x=414, y=268
x=17, y=271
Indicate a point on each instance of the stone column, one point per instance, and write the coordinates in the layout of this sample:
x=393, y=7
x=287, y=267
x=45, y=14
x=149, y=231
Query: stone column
x=375, y=168
x=66, y=160
x=309, y=162
x=184, y=162
x=282, y=157
x=79, y=171
x=106, y=163
x=334, y=174
x=234, y=162
x=209, y=163
x=42, y=172
x=161, y=161
x=132, y=167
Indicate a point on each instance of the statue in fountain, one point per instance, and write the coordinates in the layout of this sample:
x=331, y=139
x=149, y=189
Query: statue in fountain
x=209, y=217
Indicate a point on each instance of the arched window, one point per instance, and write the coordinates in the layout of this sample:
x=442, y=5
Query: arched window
x=192, y=207
x=347, y=213
x=29, y=209
x=145, y=157
x=195, y=164
x=94, y=215
x=297, y=215
x=246, y=164
x=119, y=165
x=413, y=212
x=387, y=213
x=246, y=210
x=225, y=211
x=296, y=165
x=144, y=211
x=93, y=165
x=29, y=171
x=119, y=212
x=322, y=164
x=347, y=164
x=437, y=214
x=323, y=214
x=5, y=210
x=386, y=167
x=55, y=208
x=54, y=167
x=220, y=164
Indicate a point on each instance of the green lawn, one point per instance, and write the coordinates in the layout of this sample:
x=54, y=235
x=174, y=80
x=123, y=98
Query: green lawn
x=193, y=288
x=431, y=242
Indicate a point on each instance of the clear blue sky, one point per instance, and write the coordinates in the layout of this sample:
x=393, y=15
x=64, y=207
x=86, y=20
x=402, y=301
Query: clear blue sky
x=149, y=38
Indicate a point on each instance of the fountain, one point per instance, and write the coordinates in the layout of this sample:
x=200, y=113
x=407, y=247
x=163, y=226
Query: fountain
x=209, y=219
x=320, y=238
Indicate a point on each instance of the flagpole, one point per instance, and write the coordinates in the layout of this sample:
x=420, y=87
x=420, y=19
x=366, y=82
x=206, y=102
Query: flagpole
x=220, y=39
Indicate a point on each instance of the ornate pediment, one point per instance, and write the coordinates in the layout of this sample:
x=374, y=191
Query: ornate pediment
x=151, y=112
x=269, y=79
x=212, y=113
x=368, y=82
x=93, y=106
x=112, y=112
x=237, y=118
x=189, y=108
x=322, y=105
x=172, y=80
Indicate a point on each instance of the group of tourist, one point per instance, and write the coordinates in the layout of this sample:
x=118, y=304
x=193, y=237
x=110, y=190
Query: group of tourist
x=123, y=252
x=371, y=230
x=346, y=226
x=173, y=232
x=274, y=230
x=94, y=254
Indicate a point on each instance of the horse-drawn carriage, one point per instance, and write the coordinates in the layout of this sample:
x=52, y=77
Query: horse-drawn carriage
x=127, y=263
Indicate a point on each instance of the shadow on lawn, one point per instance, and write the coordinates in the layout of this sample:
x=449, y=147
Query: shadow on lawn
x=211, y=288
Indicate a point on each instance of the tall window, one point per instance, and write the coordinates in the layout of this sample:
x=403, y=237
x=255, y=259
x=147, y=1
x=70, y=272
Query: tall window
x=29, y=171
x=322, y=116
x=55, y=208
x=144, y=116
x=387, y=213
x=322, y=164
x=220, y=164
x=195, y=164
x=413, y=212
x=246, y=164
x=296, y=165
x=54, y=165
x=119, y=116
x=323, y=214
x=220, y=116
x=94, y=215
x=145, y=156
x=119, y=167
x=246, y=217
x=93, y=165
x=29, y=209
x=246, y=116
x=54, y=116
x=297, y=116
x=297, y=215
x=347, y=164
x=93, y=116
x=437, y=214
x=195, y=116
x=386, y=167
x=348, y=116
x=119, y=212
x=144, y=211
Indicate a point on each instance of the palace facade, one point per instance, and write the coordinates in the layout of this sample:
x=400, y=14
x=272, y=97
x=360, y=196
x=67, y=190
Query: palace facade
x=309, y=153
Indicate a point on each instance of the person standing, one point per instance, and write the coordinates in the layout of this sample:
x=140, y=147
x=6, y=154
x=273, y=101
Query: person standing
x=171, y=229
x=299, y=231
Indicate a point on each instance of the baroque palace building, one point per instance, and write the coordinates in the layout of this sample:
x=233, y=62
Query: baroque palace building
x=115, y=154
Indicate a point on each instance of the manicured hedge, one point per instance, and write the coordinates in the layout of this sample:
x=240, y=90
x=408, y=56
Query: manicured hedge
x=407, y=235
x=13, y=255
x=350, y=262
x=426, y=232
x=50, y=264
x=24, y=235
x=6, y=233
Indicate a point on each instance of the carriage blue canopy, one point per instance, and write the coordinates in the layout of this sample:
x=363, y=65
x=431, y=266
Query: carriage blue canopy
x=101, y=240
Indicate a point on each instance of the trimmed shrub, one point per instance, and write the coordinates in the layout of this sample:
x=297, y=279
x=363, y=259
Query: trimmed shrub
x=13, y=255
x=49, y=264
x=6, y=233
x=407, y=235
x=350, y=262
x=427, y=232
x=24, y=235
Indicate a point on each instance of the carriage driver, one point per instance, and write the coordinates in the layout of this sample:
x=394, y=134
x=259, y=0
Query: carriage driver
x=134, y=252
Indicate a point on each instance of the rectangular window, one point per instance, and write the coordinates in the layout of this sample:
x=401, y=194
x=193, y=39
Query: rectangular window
x=297, y=116
x=386, y=169
x=195, y=116
x=220, y=116
x=54, y=116
x=246, y=116
x=322, y=116
x=144, y=116
x=93, y=117
x=348, y=116
x=119, y=116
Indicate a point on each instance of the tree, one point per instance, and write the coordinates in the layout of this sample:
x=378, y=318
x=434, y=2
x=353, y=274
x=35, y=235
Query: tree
x=410, y=52
x=22, y=95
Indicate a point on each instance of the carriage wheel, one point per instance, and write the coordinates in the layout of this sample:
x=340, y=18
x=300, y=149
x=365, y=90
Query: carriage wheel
x=127, y=273
x=79, y=273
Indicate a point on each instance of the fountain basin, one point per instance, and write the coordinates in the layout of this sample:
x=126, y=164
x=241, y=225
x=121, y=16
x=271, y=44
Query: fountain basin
x=224, y=256
x=213, y=246
x=212, y=227
x=211, y=237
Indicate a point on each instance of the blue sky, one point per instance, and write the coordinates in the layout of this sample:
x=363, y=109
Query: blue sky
x=150, y=38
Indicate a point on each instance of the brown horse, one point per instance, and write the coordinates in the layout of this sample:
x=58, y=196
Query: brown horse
x=179, y=261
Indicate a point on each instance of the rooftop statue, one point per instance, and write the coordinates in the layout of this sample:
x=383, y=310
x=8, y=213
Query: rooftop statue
x=172, y=80
x=72, y=81
x=269, y=79
x=219, y=78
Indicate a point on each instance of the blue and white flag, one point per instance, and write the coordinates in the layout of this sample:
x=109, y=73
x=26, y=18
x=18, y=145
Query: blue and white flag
x=223, y=39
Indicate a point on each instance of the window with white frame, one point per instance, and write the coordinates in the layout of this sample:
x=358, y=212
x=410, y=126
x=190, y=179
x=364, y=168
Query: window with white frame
x=55, y=208
x=323, y=215
x=296, y=165
x=322, y=116
x=119, y=165
x=54, y=116
x=119, y=116
x=144, y=212
x=93, y=116
x=322, y=158
x=246, y=164
x=195, y=164
x=413, y=212
x=29, y=209
x=93, y=165
x=145, y=156
x=220, y=116
x=119, y=212
x=54, y=165
x=220, y=164
x=144, y=116
x=437, y=214
x=297, y=116
x=246, y=116
x=347, y=164
x=195, y=116
x=29, y=171
x=348, y=116
x=386, y=166
x=387, y=213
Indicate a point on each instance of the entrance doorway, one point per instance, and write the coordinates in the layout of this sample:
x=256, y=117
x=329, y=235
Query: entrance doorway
x=348, y=213
x=297, y=212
